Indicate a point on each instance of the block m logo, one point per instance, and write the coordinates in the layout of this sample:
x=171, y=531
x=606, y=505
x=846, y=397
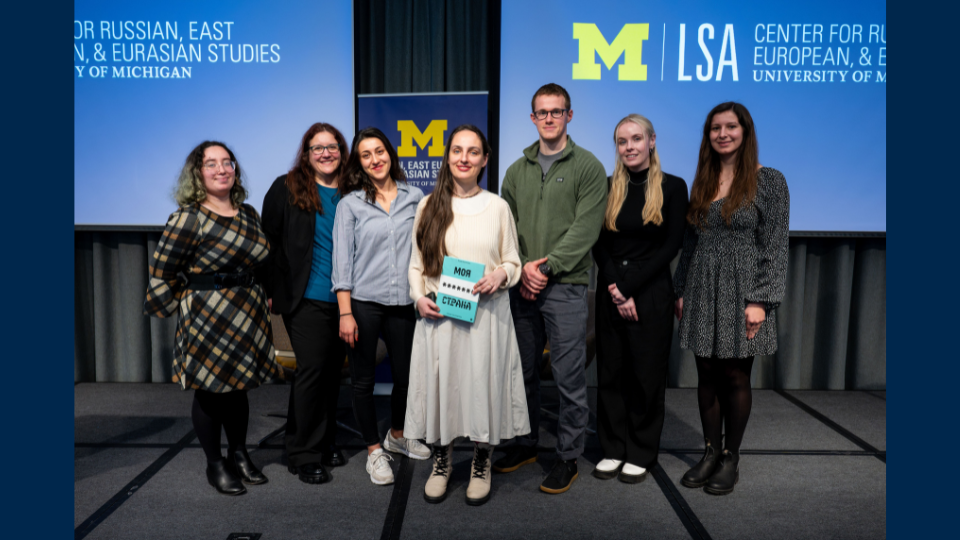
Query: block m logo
x=629, y=43
x=433, y=135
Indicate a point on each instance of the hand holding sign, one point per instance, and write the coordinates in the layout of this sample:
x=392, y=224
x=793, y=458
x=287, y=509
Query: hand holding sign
x=489, y=284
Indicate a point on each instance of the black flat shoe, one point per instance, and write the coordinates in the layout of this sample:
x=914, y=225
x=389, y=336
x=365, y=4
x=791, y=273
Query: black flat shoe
x=244, y=467
x=310, y=473
x=221, y=476
x=333, y=457
x=699, y=475
x=517, y=456
x=727, y=474
x=561, y=477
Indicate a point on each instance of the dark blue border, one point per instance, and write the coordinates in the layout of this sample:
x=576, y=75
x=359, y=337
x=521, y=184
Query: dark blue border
x=37, y=273
x=922, y=294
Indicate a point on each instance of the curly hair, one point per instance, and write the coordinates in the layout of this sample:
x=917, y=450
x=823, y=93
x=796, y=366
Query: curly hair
x=190, y=188
x=354, y=177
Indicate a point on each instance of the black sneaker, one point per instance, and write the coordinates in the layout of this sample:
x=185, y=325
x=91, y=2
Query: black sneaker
x=517, y=456
x=561, y=477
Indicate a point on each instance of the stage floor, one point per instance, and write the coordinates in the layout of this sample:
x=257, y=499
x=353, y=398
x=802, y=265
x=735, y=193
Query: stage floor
x=813, y=466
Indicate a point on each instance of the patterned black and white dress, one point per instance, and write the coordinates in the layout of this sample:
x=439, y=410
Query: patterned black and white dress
x=224, y=340
x=724, y=267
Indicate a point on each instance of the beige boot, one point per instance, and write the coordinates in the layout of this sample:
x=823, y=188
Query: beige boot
x=436, y=489
x=478, y=492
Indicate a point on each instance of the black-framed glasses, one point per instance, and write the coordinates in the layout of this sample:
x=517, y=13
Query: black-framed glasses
x=213, y=165
x=317, y=150
x=556, y=113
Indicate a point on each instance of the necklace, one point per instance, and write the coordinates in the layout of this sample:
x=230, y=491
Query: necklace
x=632, y=183
x=469, y=196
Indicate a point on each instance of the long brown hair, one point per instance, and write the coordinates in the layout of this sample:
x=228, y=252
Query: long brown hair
x=437, y=214
x=618, y=184
x=354, y=177
x=706, y=183
x=300, y=180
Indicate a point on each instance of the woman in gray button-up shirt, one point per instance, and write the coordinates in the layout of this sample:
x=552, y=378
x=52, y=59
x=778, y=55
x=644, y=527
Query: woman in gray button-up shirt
x=371, y=254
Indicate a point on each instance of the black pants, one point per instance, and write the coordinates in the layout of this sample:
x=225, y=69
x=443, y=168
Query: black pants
x=312, y=412
x=396, y=324
x=632, y=359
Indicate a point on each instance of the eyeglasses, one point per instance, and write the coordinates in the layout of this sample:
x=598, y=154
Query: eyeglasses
x=556, y=113
x=212, y=166
x=317, y=150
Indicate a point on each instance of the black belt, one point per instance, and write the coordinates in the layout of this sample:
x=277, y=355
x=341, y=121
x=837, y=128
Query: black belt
x=215, y=282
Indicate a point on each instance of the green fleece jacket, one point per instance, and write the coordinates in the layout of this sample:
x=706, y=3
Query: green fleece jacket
x=558, y=216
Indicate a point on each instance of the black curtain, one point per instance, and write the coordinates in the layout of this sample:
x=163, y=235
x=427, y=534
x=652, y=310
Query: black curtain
x=832, y=322
x=413, y=46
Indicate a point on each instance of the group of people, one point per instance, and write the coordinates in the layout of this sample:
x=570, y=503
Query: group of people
x=347, y=253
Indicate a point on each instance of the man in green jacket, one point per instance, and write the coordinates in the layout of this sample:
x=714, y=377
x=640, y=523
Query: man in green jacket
x=558, y=194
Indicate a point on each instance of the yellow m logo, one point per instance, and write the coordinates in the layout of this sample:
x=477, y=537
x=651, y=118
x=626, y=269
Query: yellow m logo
x=629, y=43
x=433, y=135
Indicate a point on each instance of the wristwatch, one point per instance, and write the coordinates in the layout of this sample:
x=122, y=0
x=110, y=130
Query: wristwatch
x=545, y=269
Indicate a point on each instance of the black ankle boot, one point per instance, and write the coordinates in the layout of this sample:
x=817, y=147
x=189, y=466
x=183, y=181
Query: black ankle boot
x=726, y=475
x=221, y=476
x=700, y=474
x=243, y=466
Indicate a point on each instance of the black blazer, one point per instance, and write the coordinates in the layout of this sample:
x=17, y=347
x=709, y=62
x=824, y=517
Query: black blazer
x=290, y=231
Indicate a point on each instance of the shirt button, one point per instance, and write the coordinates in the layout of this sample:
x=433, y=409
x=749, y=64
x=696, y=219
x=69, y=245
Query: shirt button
x=624, y=263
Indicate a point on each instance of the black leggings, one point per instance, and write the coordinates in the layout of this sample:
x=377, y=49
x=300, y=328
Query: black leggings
x=212, y=411
x=725, y=399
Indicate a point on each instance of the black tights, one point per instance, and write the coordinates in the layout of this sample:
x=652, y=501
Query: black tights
x=724, y=397
x=211, y=412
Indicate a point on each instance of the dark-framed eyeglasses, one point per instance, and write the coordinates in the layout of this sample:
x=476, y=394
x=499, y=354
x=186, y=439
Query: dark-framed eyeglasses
x=317, y=150
x=556, y=113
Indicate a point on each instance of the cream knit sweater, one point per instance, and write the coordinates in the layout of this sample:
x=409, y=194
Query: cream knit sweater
x=482, y=231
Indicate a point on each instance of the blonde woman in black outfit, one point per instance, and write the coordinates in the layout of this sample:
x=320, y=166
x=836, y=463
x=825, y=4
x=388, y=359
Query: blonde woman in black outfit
x=642, y=232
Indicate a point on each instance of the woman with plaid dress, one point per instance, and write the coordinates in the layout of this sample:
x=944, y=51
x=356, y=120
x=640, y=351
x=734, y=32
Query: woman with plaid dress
x=203, y=271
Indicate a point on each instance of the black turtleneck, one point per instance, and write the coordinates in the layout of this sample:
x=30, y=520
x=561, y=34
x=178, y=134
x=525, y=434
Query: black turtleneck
x=651, y=246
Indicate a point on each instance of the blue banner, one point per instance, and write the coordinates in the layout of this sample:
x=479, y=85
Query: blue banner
x=813, y=75
x=417, y=126
x=153, y=80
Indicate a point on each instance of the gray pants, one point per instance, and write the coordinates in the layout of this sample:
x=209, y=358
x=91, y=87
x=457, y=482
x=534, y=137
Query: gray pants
x=559, y=314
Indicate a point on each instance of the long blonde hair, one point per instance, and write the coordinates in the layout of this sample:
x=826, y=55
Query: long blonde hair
x=618, y=185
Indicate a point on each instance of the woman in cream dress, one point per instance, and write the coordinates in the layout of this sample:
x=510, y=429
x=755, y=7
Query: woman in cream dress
x=465, y=378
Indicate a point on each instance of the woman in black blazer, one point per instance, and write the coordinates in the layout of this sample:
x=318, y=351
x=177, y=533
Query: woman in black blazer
x=298, y=213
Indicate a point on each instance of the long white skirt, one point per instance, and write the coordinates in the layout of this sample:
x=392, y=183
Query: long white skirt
x=466, y=379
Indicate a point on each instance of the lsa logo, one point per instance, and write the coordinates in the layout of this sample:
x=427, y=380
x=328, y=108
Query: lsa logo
x=410, y=133
x=629, y=43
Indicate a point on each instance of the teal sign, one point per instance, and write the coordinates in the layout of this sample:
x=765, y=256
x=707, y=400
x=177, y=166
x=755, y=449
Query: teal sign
x=455, y=297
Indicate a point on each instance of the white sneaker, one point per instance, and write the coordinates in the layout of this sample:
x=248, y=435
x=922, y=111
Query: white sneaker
x=411, y=448
x=379, y=467
x=632, y=474
x=607, y=469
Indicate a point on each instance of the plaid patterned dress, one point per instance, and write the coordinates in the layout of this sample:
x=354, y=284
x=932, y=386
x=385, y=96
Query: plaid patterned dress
x=224, y=341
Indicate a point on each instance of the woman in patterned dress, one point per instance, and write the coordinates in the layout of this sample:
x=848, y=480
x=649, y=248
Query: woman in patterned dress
x=466, y=379
x=203, y=270
x=729, y=282
x=298, y=214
